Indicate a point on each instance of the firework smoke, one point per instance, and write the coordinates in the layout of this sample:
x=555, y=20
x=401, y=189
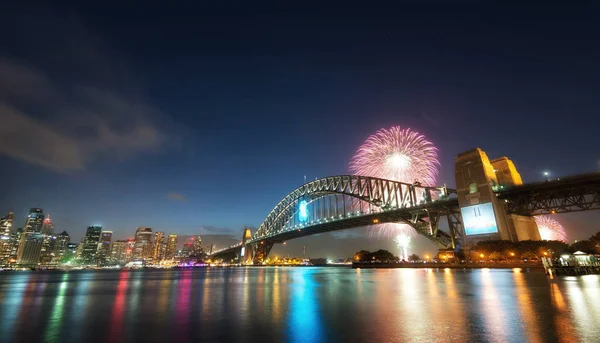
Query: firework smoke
x=550, y=229
x=401, y=155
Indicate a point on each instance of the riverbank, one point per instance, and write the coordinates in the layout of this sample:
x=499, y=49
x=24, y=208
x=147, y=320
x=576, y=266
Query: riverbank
x=522, y=265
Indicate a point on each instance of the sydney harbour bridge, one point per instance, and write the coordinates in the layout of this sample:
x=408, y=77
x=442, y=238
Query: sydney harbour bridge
x=350, y=201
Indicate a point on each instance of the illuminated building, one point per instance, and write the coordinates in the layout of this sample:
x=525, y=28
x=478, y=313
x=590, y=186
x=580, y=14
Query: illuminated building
x=61, y=246
x=159, y=246
x=118, y=252
x=103, y=252
x=48, y=243
x=5, y=239
x=90, y=244
x=197, y=249
x=30, y=246
x=47, y=226
x=71, y=252
x=35, y=220
x=143, y=244
x=171, y=246
x=6, y=225
x=30, y=249
x=188, y=250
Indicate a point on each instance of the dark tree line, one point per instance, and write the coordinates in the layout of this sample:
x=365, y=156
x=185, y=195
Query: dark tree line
x=376, y=256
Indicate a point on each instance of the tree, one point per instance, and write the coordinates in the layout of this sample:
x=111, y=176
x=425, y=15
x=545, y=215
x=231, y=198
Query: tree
x=414, y=257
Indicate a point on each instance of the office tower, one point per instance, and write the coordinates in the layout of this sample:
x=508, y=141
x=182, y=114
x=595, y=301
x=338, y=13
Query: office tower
x=171, y=246
x=197, y=248
x=6, y=225
x=130, y=249
x=61, y=246
x=30, y=247
x=118, y=252
x=35, y=220
x=103, y=252
x=159, y=244
x=188, y=249
x=48, y=242
x=143, y=244
x=5, y=239
x=47, y=226
x=90, y=244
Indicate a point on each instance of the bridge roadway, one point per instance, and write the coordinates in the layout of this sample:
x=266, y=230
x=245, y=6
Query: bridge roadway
x=562, y=195
x=406, y=215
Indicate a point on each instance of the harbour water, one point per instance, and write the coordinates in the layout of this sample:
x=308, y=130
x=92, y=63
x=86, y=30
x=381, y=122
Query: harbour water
x=299, y=305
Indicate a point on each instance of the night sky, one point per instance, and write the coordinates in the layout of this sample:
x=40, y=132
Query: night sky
x=198, y=120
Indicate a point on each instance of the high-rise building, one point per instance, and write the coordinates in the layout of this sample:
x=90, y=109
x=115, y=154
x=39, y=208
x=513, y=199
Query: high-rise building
x=103, y=253
x=71, y=252
x=118, y=252
x=5, y=239
x=48, y=242
x=130, y=248
x=188, y=249
x=159, y=246
x=171, y=246
x=197, y=250
x=143, y=244
x=6, y=225
x=61, y=246
x=47, y=226
x=30, y=247
x=90, y=244
x=35, y=220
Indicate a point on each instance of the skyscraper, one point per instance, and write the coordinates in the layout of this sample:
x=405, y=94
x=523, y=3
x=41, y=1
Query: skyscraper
x=143, y=244
x=159, y=246
x=47, y=226
x=171, y=246
x=197, y=249
x=118, y=252
x=48, y=242
x=103, y=252
x=90, y=244
x=30, y=247
x=35, y=220
x=6, y=225
x=61, y=246
x=5, y=239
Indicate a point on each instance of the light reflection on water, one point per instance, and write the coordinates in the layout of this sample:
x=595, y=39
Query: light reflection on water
x=298, y=305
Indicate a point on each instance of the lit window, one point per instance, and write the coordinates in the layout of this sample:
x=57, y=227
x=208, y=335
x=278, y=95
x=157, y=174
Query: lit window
x=472, y=188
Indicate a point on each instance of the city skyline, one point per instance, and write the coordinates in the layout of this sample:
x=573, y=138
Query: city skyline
x=217, y=137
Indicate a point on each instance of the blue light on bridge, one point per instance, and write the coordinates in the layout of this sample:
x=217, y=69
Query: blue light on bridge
x=303, y=211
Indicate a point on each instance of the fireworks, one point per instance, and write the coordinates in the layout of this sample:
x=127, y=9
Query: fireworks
x=401, y=155
x=397, y=154
x=403, y=242
x=550, y=229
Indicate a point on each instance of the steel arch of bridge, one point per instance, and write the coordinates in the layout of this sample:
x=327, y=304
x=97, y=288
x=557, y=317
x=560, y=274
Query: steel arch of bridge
x=384, y=194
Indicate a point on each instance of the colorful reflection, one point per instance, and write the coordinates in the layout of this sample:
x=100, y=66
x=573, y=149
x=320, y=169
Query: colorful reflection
x=118, y=308
x=11, y=302
x=304, y=323
x=54, y=328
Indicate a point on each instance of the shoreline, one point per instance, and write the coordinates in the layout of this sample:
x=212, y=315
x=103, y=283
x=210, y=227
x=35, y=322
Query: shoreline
x=448, y=266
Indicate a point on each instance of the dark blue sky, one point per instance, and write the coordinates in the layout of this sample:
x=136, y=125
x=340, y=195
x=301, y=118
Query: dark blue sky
x=187, y=117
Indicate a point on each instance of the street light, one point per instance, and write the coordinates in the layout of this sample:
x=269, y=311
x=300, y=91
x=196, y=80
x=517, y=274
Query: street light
x=481, y=255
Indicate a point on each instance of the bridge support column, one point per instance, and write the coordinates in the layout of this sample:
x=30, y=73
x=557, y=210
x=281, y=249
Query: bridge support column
x=484, y=215
x=261, y=252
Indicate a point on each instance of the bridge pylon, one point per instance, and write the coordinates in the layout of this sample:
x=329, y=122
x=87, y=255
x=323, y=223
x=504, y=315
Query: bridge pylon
x=484, y=215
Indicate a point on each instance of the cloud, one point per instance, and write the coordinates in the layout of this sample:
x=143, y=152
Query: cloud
x=174, y=196
x=76, y=106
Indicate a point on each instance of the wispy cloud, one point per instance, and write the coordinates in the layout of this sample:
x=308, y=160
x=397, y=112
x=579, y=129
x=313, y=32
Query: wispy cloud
x=76, y=107
x=174, y=196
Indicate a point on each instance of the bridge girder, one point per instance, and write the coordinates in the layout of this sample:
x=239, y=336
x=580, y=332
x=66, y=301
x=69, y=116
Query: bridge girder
x=572, y=194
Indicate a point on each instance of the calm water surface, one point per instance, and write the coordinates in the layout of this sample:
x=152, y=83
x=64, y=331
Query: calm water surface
x=298, y=305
